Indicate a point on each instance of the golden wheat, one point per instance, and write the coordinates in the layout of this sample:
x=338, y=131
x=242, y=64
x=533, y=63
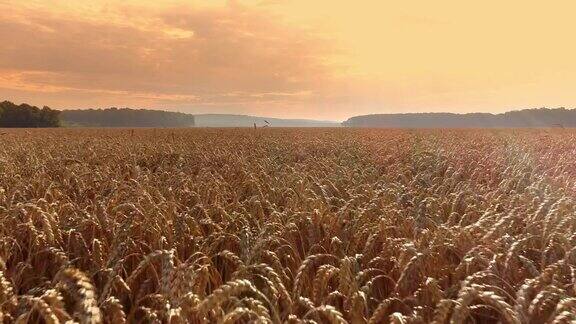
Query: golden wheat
x=288, y=226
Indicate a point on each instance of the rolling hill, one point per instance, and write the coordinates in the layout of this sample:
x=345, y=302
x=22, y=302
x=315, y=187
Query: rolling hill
x=126, y=117
x=226, y=120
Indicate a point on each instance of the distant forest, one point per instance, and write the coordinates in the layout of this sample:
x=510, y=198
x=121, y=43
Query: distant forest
x=542, y=117
x=125, y=117
x=24, y=115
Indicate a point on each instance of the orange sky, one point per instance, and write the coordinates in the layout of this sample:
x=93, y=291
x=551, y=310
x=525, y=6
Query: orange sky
x=289, y=58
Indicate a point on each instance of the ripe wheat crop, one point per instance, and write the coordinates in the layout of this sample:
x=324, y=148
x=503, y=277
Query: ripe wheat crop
x=287, y=226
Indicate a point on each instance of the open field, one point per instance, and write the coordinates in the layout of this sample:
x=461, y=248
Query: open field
x=288, y=225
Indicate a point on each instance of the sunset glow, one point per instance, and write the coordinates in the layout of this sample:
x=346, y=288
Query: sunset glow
x=300, y=59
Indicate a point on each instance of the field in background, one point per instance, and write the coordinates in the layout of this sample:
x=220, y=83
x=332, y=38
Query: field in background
x=288, y=225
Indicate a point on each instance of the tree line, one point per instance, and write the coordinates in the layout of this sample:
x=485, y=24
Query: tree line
x=126, y=117
x=24, y=115
x=27, y=116
x=541, y=117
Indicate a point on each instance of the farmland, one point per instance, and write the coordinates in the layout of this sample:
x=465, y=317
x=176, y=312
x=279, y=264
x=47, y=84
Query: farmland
x=288, y=225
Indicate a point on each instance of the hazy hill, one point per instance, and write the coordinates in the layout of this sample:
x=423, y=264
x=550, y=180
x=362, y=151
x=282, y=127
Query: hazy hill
x=125, y=117
x=226, y=120
x=542, y=117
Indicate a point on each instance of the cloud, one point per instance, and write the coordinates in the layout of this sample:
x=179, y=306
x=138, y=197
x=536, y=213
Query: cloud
x=297, y=58
x=231, y=55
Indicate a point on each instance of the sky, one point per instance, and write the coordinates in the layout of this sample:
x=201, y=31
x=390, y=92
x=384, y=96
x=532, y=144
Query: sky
x=318, y=59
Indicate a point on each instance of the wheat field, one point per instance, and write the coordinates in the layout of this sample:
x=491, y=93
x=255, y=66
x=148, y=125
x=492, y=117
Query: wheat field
x=287, y=226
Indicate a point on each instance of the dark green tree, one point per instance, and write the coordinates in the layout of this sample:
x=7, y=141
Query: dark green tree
x=24, y=115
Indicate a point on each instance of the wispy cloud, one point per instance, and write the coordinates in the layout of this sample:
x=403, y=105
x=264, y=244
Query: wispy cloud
x=294, y=58
x=221, y=55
